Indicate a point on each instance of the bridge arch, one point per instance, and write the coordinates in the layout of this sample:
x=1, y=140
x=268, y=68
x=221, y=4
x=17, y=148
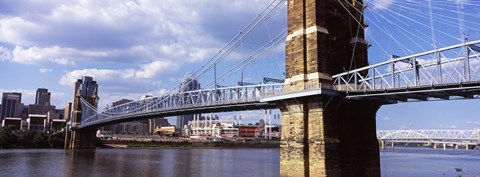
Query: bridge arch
x=404, y=135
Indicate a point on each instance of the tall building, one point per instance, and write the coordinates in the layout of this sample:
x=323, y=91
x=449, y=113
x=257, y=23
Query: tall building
x=120, y=102
x=189, y=83
x=68, y=111
x=42, y=97
x=87, y=88
x=40, y=109
x=11, y=105
x=130, y=128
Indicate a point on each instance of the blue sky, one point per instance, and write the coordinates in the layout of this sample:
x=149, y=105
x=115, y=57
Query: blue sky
x=138, y=47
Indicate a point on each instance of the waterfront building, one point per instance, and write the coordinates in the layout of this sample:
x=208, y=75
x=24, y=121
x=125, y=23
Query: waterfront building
x=87, y=87
x=68, y=111
x=37, y=122
x=11, y=105
x=189, y=83
x=248, y=131
x=134, y=128
x=128, y=128
x=42, y=97
x=120, y=102
x=157, y=123
x=16, y=122
x=40, y=109
x=168, y=130
x=210, y=127
x=56, y=124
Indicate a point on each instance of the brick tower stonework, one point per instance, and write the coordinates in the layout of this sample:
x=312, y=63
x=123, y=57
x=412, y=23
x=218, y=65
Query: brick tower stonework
x=326, y=135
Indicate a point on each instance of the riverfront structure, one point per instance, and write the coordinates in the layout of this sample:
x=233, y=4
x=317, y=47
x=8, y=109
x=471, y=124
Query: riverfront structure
x=85, y=89
x=11, y=105
x=42, y=97
x=326, y=135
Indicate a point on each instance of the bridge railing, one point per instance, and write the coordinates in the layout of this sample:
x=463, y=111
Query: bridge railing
x=183, y=100
x=454, y=64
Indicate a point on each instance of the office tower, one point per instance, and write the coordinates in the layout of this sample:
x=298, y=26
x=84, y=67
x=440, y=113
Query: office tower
x=11, y=105
x=42, y=97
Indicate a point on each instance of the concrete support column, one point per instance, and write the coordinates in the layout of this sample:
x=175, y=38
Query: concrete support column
x=83, y=139
x=356, y=126
x=338, y=139
x=382, y=144
x=444, y=146
x=325, y=135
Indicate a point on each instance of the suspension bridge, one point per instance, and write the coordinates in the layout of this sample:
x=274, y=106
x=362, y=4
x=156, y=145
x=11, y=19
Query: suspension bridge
x=326, y=89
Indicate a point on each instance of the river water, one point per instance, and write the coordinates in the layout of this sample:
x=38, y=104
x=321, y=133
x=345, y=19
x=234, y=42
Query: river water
x=397, y=162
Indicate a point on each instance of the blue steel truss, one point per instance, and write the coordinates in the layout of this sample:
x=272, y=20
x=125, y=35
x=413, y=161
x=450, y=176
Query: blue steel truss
x=444, y=73
x=220, y=99
x=470, y=136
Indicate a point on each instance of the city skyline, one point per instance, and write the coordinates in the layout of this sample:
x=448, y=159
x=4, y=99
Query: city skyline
x=52, y=44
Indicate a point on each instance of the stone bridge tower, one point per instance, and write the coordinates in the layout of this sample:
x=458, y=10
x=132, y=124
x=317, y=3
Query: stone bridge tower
x=326, y=135
x=87, y=89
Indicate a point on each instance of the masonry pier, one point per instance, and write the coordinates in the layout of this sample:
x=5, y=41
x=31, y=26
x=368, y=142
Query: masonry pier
x=325, y=134
x=85, y=90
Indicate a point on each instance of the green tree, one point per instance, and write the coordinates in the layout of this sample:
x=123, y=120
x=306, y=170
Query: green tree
x=56, y=140
x=40, y=140
x=7, y=138
x=25, y=138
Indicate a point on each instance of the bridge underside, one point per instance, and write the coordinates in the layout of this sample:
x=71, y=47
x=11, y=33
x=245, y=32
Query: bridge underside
x=466, y=90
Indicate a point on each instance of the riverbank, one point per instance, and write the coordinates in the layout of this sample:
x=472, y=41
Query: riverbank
x=186, y=144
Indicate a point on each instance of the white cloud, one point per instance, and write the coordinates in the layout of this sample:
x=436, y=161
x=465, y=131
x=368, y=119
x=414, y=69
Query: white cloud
x=45, y=70
x=473, y=122
x=124, y=80
x=386, y=118
x=68, y=32
x=382, y=4
x=5, y=54
x=108, y=98
x=17, y=31
x=152, y=69
x=405, y=126
x=57, y=55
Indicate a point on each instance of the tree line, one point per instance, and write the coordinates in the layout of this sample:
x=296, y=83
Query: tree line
x=12, y=138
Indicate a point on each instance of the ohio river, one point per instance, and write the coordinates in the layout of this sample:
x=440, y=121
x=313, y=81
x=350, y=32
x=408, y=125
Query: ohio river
x=397, y=162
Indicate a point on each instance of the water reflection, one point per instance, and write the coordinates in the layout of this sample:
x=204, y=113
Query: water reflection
x=213, y=162
x=140, y=162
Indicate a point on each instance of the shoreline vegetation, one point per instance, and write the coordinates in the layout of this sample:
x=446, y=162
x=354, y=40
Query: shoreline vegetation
x=12, y=138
